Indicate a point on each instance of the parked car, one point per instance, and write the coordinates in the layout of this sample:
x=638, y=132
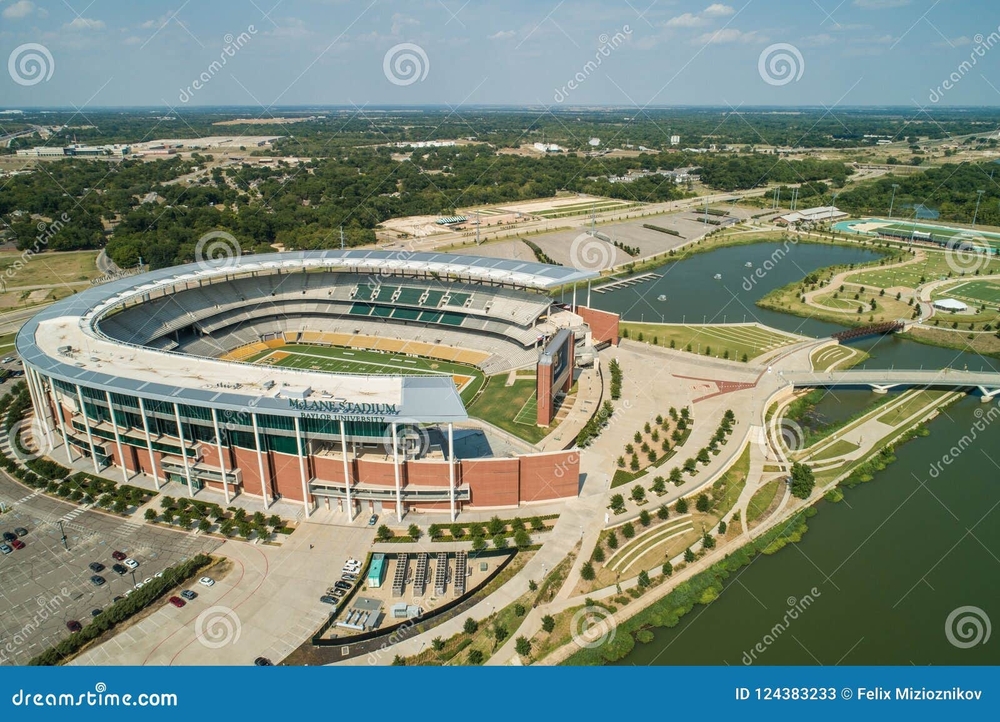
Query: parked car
x=206, y=581
x=188, y=594
x=96, y=567
x=21, y=531
x=177, y=602
x=9, y=359
x=5, y=549
x=349, y=577
x=262, y=662
x=130, y=563
x=327, y=599
x=119, y=570
x=342, y=585
x=95, y=612
x=118, y=556
x=73, y=625
x=117, y=598
x=373, y=520
x=98, y=581
x=9, y=536
x=17, y=544
x=338, y=593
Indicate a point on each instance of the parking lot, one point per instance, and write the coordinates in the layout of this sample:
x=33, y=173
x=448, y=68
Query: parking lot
x=45, y=584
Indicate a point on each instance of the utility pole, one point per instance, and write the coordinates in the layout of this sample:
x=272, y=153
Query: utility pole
x=979, y=197
x=893, y=200
x=62, y=535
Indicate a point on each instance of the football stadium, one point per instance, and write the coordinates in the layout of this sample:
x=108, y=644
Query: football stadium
x=332, y=377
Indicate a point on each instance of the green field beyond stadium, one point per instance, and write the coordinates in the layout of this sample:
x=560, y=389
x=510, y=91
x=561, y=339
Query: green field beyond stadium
x=338, y=360
x=904, y=229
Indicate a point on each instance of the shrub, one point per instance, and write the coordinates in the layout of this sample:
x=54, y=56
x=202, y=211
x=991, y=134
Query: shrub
x=587, y=572
x=644, y=518
x=548, y=623
x=471, y=626
x=628, y=531
x=681, y=506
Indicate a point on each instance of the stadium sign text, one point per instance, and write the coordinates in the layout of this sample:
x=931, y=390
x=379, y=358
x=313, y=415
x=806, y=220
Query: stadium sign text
x=340, y=407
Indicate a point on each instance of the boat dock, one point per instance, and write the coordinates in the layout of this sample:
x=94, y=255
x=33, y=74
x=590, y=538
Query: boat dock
x=626, y=282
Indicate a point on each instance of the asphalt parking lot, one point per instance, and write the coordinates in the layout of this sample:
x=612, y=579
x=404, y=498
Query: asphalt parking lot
x=47, y=584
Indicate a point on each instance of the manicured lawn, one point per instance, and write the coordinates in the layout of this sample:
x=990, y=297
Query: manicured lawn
x=509, y=407
x=737, y=339
x=762, y=500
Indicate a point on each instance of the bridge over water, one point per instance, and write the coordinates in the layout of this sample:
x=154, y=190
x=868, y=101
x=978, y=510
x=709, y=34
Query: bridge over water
x=882, y=380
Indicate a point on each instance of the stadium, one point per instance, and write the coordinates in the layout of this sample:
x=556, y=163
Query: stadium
x=331, y=377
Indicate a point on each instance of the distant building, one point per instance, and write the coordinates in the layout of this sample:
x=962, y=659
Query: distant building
x=812, y=215
x=76, y=150
x=594, y=142
x=675, y=139
x=426, y=144
x=548, y=148
x=950, y=304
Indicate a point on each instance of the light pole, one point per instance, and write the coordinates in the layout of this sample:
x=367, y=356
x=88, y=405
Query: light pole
x=62, y=535
x=979, y=197
x=894, y=187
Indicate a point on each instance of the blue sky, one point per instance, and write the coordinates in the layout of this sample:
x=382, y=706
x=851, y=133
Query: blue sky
x=513, y=52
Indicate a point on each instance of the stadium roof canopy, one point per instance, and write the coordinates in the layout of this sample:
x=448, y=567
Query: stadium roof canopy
x=97, y=361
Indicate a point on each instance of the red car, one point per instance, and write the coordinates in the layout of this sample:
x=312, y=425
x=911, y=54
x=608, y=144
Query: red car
x=17, y=544
x=118, y=556
x=73, y=625
x=177, y=602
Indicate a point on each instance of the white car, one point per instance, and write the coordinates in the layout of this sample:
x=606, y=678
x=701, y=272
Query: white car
x=206, y=581
x=130, y=563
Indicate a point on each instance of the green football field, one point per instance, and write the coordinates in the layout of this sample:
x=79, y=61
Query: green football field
x=333, y=359
x=976, y=292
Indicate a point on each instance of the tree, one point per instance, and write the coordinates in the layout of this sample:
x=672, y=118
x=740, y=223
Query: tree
x=617, y=503
x=628, y=531
x=274, y=521
x=668, y=569
x=478, y=544
x=496, y=525
x=475, y=657
x=644, y=517
x=662, y=512
x=676, y=477
x=434, y=531
x=519, y=610
x=708, y=541
x=638, y=494
x=587, y=573
x=722, y=527
x=803, y=481
x=659, y=485
x=204, y=525
x=522, y=646
x=414, y=532
x=688, y=555
x=598, y=554
x=120, y=506
x=150, y=515
x=643, y=580
x=471, y=626
x=702, y=504
x=499, y=542
x=612, y=540
x=681, y=506
x=437, y=644
x=522, y=540
x=384, y=533
x=499, y=633
x=548, y=623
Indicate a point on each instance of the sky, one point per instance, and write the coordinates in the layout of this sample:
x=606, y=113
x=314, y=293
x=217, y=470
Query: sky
x=555, y=53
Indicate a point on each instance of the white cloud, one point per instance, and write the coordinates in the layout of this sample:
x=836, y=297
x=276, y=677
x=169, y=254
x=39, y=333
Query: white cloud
x=133, y=40
x=728, y=35
x=21, y=9
x=880, y=4
x=84, y=24
x=718, y=10
x=502, y=35
x=687, y=20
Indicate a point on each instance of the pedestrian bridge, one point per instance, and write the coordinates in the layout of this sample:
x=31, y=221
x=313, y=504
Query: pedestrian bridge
x=882, y=380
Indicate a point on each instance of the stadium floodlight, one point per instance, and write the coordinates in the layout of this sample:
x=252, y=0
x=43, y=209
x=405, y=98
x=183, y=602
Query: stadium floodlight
x=893, y=200
x=979, y=197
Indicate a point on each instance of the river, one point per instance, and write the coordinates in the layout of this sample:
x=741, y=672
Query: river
x=877, y=575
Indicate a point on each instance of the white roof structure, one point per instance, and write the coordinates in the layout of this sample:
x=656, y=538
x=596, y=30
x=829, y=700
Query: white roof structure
x=808, y=215
x=950, y=304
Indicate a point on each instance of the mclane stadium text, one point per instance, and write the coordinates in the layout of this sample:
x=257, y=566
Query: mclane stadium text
x=338, y=406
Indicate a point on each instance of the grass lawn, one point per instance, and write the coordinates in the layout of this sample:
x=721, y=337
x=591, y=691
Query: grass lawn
x=841, y=357
x=48, y=269
x=511, y=408
x=736, y=339
x=972, y=292
x=915, y=400
x=762, y=500
x=837, y=448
